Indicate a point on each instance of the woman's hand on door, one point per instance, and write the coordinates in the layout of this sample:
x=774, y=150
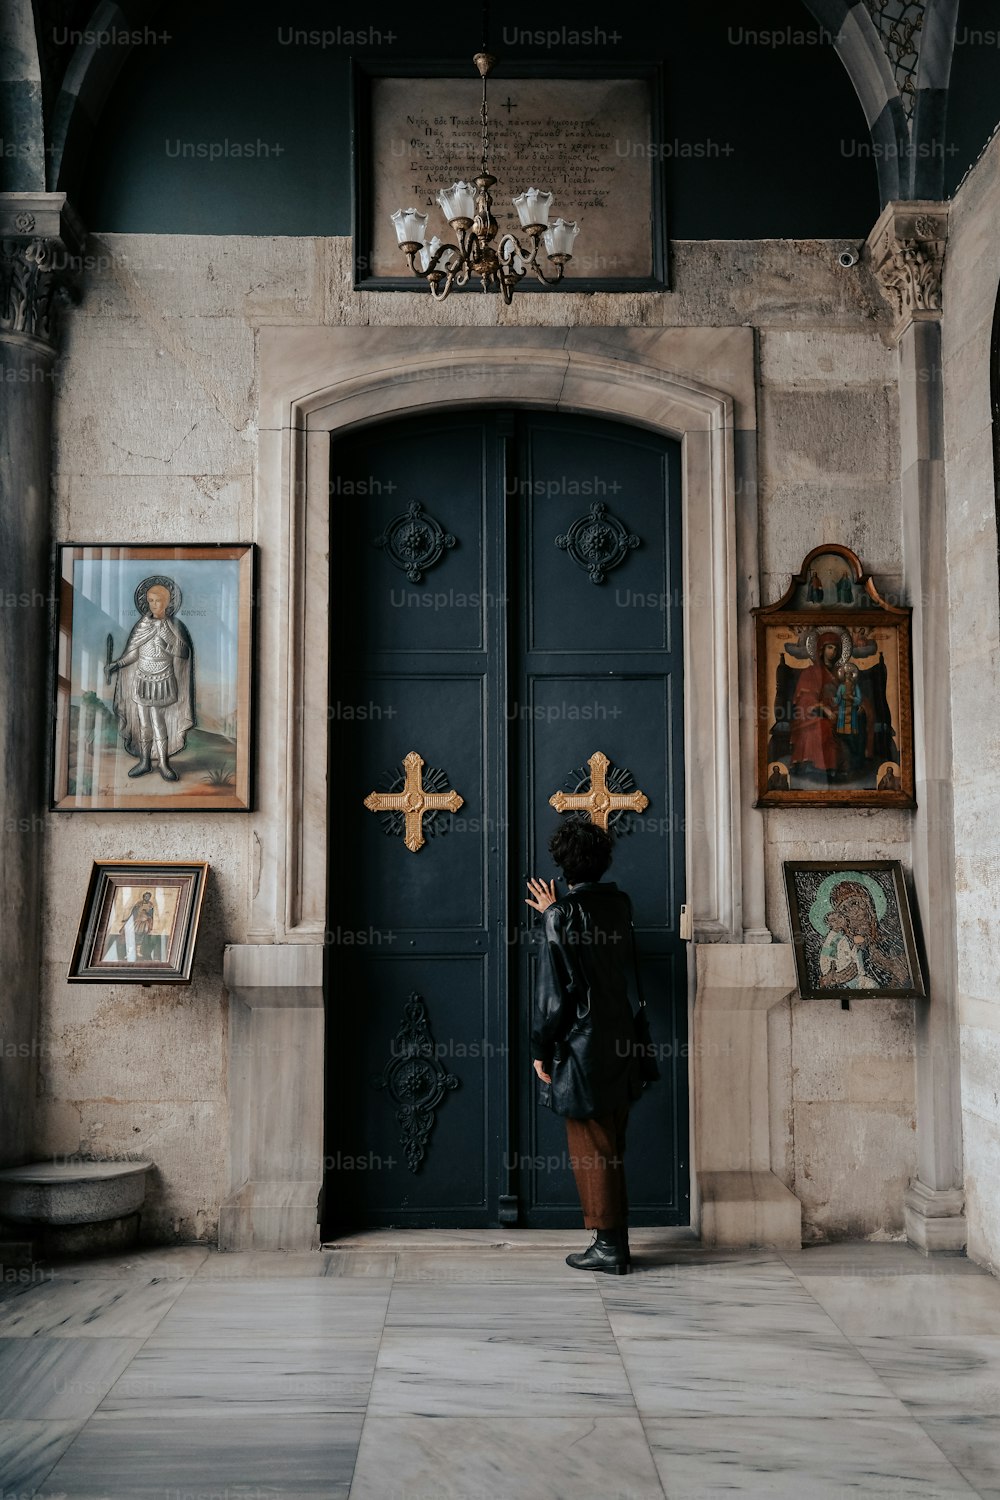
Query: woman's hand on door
x=544, y=895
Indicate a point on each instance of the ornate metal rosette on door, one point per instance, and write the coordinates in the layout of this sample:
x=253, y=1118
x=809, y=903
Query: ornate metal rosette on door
x=598, y=542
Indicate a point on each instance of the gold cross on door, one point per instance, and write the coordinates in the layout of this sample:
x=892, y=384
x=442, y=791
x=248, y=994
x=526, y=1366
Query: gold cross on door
x=599, y=802
x=413, y=801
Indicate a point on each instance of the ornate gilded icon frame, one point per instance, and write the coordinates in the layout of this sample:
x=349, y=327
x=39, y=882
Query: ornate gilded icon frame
x=140, y=922
x=833, y=691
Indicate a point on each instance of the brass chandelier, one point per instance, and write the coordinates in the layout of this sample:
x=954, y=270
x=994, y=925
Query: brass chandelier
x=468, y=208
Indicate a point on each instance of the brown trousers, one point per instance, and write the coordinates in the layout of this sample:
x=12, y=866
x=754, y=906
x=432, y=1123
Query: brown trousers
x=597, y=1156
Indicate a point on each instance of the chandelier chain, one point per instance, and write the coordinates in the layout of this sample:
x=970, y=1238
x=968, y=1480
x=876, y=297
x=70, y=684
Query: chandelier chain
x=469, y=210
x=484, y=116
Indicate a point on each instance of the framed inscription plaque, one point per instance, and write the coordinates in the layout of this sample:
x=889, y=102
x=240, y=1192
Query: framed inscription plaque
x=587, y=135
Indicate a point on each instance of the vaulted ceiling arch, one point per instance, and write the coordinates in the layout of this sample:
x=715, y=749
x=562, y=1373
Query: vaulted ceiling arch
x=898, y=54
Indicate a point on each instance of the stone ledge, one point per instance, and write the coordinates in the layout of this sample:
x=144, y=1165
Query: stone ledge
x=274, y=975
x=64, y=1193
x=271, y=1216
x=749, y=1208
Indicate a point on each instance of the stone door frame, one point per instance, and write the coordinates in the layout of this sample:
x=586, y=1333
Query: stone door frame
x=691, y=384
x=694, y=385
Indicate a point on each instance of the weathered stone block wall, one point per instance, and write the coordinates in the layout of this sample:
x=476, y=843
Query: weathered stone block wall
x=971, y=277
x=156, y=441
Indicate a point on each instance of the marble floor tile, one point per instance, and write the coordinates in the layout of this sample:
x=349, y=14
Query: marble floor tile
x=241, y=1458
x=160, y=1263
x=16, y=1280
x=59, y=1379
x=909, y=1305
x=938, y=1377
x=653, y=1263
x=28, y=1451
x=790, y=1376
x=418, y=1375
x=768, y=1304
x=800, y=1458
x=473, y=1240
x=487, y=1265
x=378, y=1264
x=853, y=1258
x=565, y=1316
x=555, y=1458
x=972, y=1444
x=257, y=1265
x=93, y=1308
x=297, y=1376
x=211, y=1313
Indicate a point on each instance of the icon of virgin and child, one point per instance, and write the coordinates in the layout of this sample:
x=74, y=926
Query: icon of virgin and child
x=832, y=721
x=154, y=680
x=860, y=947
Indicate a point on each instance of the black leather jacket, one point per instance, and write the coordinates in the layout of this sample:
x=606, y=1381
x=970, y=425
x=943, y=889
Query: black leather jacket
x=582, y=1028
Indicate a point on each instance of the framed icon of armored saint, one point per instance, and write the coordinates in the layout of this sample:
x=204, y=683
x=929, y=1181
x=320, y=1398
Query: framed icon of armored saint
x=833, y=691
x=153, y=674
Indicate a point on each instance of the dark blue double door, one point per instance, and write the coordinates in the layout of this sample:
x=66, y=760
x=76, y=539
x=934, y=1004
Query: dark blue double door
x=506, y=606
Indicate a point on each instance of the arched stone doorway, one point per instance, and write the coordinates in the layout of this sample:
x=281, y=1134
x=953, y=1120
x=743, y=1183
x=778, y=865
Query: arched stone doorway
x=695, y=385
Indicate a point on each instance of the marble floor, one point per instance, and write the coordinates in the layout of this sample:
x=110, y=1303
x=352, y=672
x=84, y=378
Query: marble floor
x=465, y=1367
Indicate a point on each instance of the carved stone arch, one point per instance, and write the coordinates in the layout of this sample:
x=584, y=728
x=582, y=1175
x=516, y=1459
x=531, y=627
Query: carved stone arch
x=909, y=145
x=91, y=75
x=318, y=382
x=859, y=47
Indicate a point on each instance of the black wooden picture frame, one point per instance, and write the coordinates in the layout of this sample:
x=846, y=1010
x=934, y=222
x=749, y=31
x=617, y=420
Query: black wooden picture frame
x=140, y=922
x=852, y=918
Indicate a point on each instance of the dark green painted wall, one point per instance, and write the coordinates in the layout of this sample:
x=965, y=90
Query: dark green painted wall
x=774, y=117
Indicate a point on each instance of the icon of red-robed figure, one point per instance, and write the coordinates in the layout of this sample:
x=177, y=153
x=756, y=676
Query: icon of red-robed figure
x=814, y=705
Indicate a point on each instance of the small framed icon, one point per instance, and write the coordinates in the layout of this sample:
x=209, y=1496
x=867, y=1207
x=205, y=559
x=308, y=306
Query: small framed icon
x=140, y=923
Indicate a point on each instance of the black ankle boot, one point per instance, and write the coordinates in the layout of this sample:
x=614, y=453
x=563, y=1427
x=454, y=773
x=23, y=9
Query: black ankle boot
x=609, y=1252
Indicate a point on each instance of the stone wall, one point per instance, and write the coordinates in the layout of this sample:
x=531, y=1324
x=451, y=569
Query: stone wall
x=972, y=273
x=156, y=440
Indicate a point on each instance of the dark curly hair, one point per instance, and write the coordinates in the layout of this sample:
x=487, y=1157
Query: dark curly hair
x=582, y=850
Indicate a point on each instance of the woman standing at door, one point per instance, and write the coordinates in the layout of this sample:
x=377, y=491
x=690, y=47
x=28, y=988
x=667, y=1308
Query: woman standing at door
x=583, y=1037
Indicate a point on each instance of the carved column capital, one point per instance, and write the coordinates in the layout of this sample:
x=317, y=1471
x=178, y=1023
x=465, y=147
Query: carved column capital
x=906, y=249
x=41, y=241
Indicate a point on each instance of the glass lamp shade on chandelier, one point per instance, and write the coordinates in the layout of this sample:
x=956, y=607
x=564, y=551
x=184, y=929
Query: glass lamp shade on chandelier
x=468, y=208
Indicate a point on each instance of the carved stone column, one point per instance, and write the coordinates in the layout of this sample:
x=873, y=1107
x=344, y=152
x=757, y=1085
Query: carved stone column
x=907, y=248
x=39, y=239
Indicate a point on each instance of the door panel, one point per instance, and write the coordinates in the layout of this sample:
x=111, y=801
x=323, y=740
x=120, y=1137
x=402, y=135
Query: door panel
x=442, y=889
x=626, y=718
x=373, y=1179
x=601, y=672
x=505, y=667
x=568, y=468
x=376, y=479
